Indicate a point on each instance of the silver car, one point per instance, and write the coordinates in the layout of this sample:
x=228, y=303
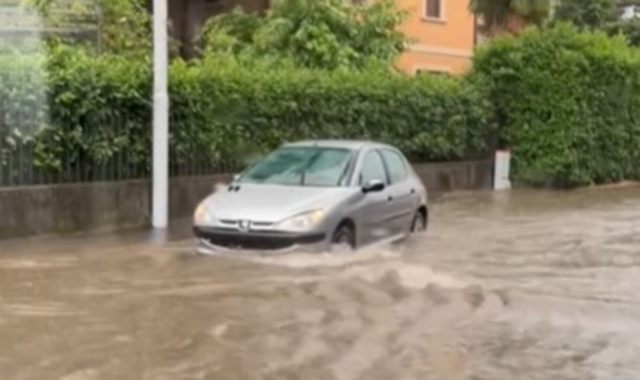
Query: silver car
x=315, y=194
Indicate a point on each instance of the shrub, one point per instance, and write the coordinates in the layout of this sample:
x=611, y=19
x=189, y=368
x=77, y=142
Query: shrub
x=566, y=104
x=96, y=117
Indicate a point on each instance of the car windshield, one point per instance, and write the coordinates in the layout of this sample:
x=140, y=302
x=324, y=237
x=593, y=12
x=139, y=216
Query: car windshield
x=301, y=166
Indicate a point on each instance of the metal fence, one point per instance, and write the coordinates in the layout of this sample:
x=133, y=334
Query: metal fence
x=41, y=144
x=38, y=149
x=97, y=148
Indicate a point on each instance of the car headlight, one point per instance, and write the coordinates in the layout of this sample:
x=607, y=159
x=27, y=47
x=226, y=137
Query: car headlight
x=202, y=216
x=302, y=222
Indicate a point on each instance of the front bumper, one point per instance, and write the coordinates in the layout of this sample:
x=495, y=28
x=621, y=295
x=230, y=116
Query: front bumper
x=226, y=239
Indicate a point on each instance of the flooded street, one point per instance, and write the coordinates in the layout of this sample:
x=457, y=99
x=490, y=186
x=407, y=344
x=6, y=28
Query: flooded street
x=522, y=285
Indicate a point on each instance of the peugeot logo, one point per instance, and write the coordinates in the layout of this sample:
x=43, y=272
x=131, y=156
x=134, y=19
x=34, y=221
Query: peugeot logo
x=244, y=225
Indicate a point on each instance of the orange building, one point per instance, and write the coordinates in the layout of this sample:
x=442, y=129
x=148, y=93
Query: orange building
x=445, y=35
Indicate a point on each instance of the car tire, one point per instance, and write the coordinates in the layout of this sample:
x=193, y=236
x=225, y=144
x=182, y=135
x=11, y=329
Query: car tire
x=344, y=237
x=420, y=222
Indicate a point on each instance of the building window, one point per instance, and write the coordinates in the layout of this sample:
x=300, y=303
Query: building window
x=433, y=9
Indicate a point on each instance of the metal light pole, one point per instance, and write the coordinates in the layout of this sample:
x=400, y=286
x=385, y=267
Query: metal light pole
x=160, y=200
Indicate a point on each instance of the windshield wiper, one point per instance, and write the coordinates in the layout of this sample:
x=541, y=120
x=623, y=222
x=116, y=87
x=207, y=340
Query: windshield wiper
x=312, y=160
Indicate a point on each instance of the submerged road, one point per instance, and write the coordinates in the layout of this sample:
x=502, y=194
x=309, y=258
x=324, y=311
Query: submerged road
x=521, y=285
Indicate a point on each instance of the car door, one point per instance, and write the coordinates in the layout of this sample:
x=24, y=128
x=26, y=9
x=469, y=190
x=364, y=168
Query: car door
x=401, y=190
x=375, y=206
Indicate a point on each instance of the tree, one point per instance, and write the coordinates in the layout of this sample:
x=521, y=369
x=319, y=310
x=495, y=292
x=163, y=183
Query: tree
x=510, y=15
x=231, y=32
x=589, y=14
x=313, y=33
x=611, y=16
x=122, y=26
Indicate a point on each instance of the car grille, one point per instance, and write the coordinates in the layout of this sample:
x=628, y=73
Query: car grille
x=231, y=242
x=230, y=223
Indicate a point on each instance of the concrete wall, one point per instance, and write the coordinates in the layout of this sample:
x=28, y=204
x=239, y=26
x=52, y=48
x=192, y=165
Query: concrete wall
x=36, y=210
x=456, y=176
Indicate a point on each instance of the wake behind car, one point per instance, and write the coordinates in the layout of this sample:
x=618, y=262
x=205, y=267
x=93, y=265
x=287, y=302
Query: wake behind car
x=315, y=194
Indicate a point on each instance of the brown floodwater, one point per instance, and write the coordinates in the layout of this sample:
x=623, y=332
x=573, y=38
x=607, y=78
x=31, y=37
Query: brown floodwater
x=520, y=285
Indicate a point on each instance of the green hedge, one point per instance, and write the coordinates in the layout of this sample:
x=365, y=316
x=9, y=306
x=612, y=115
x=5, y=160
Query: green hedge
x=435, y=119
x=93, y=114
x=567, y=103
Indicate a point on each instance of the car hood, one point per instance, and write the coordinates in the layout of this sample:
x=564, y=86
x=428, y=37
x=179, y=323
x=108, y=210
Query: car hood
x=271, y=203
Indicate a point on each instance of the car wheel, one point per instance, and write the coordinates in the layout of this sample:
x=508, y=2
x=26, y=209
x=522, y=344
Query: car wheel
x=344, y=238
x=419, y=223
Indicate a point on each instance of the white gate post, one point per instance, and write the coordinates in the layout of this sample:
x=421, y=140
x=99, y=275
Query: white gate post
x=501, y=171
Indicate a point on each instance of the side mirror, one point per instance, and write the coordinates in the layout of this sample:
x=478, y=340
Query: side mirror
x=220, y=186
x=373, y=186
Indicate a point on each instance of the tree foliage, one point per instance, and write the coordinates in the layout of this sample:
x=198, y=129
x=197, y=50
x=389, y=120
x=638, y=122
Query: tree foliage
x=497, y=14
x=589, y=14
x=607, y=15
x=312, y=33
x=121, y=26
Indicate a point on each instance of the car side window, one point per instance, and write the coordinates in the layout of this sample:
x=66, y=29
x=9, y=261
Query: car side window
x=396, y=165
x=372, y=168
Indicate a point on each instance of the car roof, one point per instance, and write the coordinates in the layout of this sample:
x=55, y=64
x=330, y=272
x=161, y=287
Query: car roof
x=344, y=144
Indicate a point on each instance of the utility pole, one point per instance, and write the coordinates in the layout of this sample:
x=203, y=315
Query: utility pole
x=160, y=180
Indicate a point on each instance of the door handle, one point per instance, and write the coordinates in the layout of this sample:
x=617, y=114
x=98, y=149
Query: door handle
x=390, y=198
x=413, y=191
